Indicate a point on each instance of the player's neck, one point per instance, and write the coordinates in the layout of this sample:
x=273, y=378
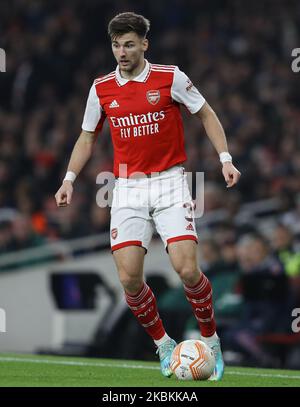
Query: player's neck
x=135, y=72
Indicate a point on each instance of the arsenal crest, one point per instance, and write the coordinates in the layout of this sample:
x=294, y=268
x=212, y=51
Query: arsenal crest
x=114, y=233
x=153, y=96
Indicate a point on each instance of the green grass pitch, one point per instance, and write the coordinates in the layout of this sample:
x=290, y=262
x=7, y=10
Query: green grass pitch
x=46, y=371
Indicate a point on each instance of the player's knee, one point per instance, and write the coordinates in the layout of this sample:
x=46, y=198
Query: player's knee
x=131, y=284
x=189, y=274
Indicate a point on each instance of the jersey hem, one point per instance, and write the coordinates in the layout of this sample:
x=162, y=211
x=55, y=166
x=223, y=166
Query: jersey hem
x=149, y=172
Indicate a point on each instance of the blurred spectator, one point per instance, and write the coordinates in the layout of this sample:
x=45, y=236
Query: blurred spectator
x=6, y=237
x=211, y=261
x=99, y=219
x=292, y=218
x=284, y=247
x=23, y=235
x=289, y=254
x=229, y=255
x=265, y=293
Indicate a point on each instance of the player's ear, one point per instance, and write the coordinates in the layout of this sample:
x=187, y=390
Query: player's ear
x=145, y=44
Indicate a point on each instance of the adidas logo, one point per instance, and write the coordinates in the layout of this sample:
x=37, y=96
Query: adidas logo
x=190, y=227
x=114, y=103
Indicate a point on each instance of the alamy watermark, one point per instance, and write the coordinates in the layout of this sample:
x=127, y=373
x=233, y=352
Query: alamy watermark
x=296, y=321
x=296, y=62
x=2, y=60
x=171, y=188
x=2, y=321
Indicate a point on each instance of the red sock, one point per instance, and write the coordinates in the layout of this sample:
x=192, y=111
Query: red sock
x=200, y=297
x=143, y=305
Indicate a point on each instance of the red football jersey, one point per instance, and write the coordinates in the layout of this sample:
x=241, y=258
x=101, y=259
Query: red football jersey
x=144, y=116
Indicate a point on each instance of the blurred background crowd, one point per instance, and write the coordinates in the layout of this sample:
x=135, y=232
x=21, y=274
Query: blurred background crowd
x=237, y=53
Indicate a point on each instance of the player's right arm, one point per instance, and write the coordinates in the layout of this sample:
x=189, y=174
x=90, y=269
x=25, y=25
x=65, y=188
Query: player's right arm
x=83, y=148
x=81, y=153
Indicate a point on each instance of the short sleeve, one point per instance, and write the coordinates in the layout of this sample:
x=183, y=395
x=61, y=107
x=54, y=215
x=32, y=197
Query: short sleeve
x=93, y=111
x=183, y=91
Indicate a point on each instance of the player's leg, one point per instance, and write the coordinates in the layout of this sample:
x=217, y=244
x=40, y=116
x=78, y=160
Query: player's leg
x=129, y=262
x=131, y=232
x=141, y=300
x=183, y=256
x=138, y=294
x=198, y=291
x=176, y=225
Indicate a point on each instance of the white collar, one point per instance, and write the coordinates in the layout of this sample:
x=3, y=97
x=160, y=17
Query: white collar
x=140, y=78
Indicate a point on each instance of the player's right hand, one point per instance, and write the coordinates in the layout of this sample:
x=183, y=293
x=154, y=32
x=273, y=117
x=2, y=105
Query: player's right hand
x=64, y=195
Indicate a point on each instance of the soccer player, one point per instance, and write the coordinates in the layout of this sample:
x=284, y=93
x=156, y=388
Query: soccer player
x=142, y=102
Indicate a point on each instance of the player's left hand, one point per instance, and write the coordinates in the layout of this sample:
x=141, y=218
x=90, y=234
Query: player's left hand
x=231, y=174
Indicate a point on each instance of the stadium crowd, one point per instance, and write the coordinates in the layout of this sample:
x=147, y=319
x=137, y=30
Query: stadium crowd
x=238, y=55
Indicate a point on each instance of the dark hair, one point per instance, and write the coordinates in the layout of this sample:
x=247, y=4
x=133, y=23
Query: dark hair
x=126, y=22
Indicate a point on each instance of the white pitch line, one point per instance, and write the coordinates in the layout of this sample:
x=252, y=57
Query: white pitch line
x=127, y=366
x=73, y=363
x=277, y=375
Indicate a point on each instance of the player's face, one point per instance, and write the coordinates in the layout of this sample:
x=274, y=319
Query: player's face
x=128, y=50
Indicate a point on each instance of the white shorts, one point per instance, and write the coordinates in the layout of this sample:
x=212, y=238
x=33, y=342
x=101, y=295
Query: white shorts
x=163, y=201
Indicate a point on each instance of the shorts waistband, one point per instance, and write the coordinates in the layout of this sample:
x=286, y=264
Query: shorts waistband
x=153, y=174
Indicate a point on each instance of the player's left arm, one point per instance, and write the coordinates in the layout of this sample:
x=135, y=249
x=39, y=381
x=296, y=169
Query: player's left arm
x=216, y=134
x=183, y=91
